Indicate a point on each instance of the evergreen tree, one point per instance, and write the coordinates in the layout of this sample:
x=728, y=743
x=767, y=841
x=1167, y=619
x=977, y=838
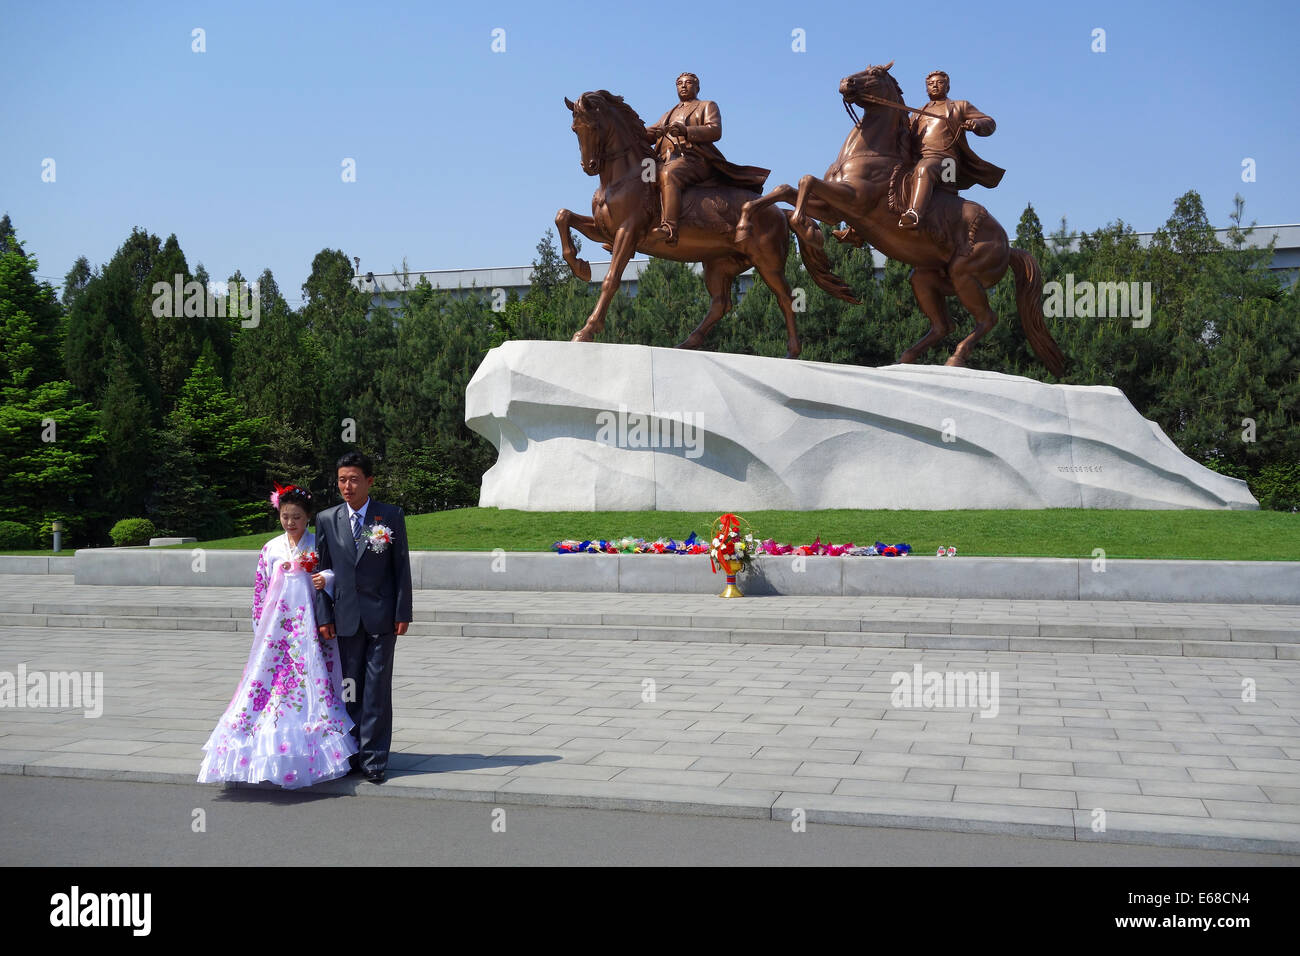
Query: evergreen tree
x=432, y=459
x=48, y=439
x=275, y=376
x=75, y=281
x=557, y=302
x=172, y=340
x=8, y=238
x=1029, y=233
x=352, y=353
x=130, y=442
x=113, y=299
x=549, y=268
x=29, y=321
x=1248, y=423
x=670, y=302
x=209, y=481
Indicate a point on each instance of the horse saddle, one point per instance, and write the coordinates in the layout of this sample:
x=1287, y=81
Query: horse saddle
x=933, y=221
x=902, y=183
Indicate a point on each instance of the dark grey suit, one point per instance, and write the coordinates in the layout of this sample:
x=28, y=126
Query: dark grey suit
x=372, y=591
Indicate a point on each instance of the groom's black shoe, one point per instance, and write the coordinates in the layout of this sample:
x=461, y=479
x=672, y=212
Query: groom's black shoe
x=375, y=776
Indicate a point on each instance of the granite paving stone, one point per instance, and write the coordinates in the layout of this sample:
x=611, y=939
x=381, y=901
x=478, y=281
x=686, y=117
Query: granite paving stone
x=1144, y=803
x=1048, y=781
x=970, y=778
x=1023, y=796
x=1163, y=742
x=892, y=789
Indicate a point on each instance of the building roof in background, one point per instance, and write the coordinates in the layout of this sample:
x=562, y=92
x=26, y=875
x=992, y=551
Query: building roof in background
x=1286, y=255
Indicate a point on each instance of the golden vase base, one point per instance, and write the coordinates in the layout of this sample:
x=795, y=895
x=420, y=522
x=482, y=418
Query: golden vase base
x=732, y=568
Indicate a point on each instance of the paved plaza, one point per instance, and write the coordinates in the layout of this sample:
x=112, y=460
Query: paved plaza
x=650, y=702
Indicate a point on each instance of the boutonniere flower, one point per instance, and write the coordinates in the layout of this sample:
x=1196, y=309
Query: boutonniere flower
x=378, y=536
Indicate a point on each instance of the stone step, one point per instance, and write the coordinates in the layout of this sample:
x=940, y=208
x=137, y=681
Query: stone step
x=217, y=617
x=1019, y=636
x=10, y=606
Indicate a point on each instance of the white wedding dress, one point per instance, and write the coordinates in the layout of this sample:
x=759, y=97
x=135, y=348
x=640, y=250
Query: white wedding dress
x=286, y=722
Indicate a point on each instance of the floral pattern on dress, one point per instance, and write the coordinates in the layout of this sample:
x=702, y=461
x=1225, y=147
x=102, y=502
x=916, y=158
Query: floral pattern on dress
x=260, y=584
x=286, y=722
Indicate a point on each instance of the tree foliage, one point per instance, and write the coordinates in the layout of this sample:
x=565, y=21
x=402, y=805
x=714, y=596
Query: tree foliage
x=187, y=419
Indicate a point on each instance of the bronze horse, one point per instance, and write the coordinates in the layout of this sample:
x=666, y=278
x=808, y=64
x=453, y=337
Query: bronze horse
x=966, y=250
x=615, y=146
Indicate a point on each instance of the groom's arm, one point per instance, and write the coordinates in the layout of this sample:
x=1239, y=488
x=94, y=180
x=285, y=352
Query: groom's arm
x=402, y=568
x=324, y=605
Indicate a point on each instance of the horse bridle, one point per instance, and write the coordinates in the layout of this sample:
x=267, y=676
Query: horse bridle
x=848, y=108
x=602, y=157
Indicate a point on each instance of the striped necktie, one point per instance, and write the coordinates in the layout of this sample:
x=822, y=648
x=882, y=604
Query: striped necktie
x=356, y=529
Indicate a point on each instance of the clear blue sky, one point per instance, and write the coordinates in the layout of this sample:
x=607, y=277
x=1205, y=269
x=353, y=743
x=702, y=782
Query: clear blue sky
x=463, y=155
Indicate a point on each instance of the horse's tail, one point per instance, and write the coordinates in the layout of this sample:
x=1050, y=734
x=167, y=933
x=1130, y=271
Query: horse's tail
x=1029, y=303
x=811, y=249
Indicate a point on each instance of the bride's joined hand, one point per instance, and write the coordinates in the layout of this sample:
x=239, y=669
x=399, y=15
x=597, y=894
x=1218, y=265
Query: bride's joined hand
x=318, y=581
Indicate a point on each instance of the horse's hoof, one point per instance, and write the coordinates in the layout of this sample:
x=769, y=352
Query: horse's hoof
x=955, y=362
x=743, y=233
x=582, y=335
x=690, y=342
x=582, y=269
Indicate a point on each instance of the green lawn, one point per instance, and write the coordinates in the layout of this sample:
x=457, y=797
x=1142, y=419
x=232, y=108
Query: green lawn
x=1062, y=533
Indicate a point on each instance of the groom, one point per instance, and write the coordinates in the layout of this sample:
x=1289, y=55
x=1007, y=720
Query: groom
x=371, y=604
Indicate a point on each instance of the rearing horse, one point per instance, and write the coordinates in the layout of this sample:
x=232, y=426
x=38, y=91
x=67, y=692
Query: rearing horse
x=959, y=250
x=615, y=146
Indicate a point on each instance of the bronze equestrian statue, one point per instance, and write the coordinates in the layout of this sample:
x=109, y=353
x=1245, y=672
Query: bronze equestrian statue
x=684, y=137
x=946, y=159
x=895, y=185
x=697, y=224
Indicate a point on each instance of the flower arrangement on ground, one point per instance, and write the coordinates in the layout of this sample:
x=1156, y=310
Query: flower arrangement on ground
x=733, y=548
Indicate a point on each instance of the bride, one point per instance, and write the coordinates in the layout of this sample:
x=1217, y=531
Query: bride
x=286, y=722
